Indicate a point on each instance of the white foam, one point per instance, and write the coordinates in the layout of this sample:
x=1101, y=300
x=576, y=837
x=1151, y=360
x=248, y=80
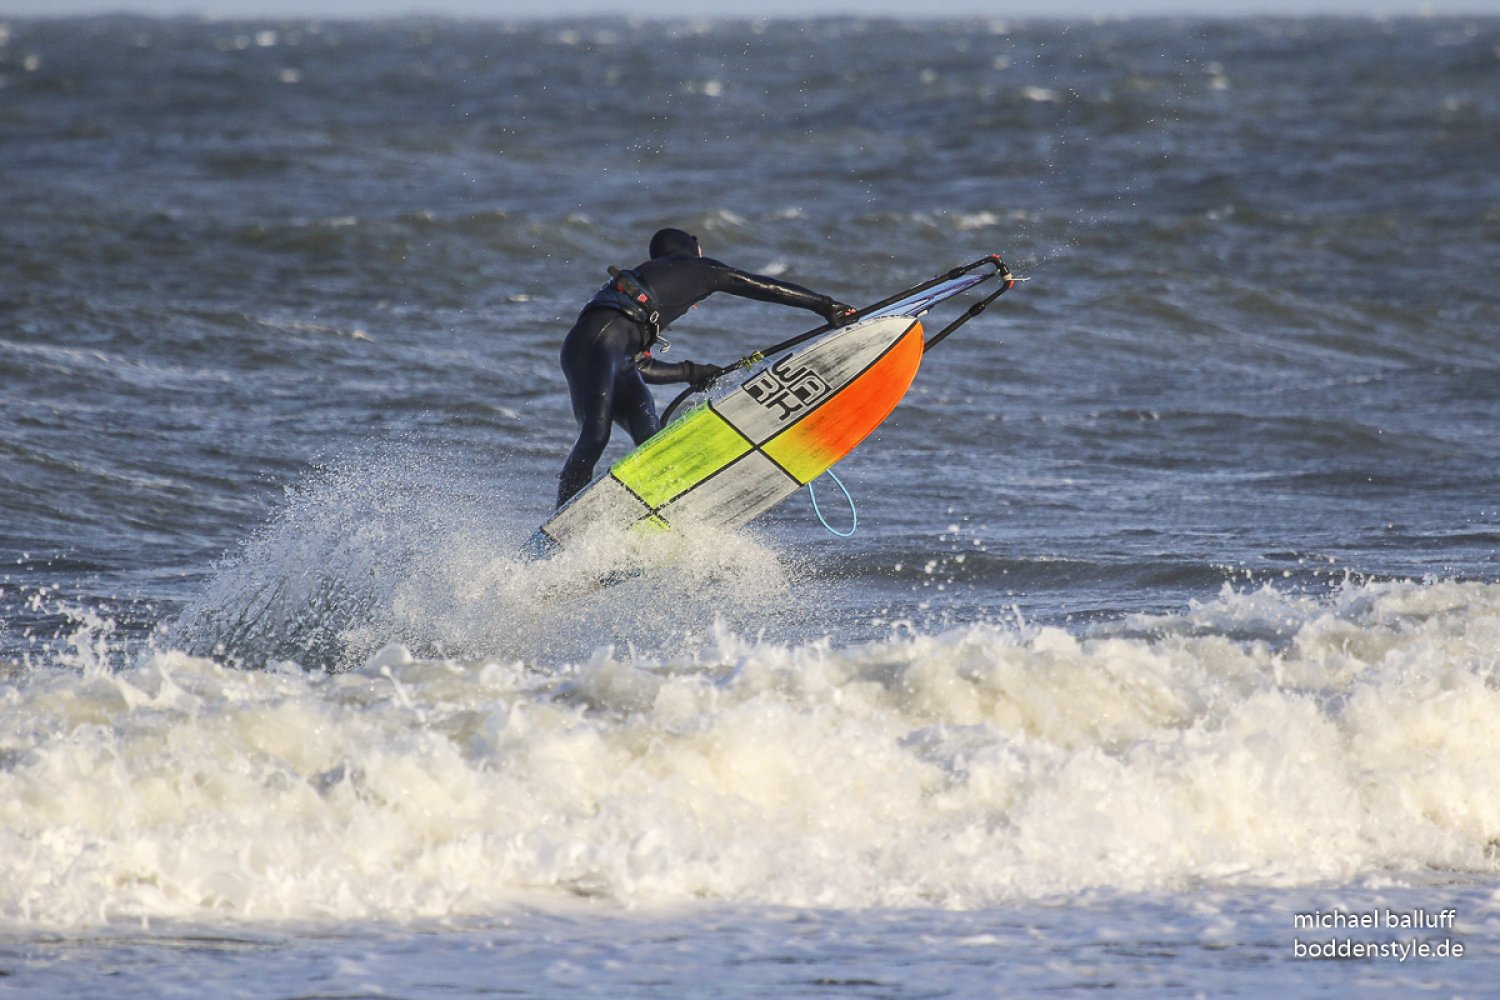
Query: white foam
x=1261, y=738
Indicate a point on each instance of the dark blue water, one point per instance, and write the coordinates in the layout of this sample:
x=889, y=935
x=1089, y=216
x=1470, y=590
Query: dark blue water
x=1259, y=339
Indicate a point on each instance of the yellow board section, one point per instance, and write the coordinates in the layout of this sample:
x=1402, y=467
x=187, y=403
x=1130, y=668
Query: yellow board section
x=680, y=457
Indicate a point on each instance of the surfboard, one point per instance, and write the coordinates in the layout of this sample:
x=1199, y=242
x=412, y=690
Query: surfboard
x=747, y=448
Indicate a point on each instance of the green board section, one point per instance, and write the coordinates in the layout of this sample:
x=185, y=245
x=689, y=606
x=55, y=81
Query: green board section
x=680, y=457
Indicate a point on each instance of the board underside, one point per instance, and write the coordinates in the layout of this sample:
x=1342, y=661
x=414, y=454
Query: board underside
x=733, y=458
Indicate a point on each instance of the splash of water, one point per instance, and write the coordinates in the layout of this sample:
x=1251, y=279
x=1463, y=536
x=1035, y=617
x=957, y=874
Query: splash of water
x=401, y=545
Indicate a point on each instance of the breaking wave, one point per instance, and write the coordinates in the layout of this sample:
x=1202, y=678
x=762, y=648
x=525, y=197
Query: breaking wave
x=1259, y=738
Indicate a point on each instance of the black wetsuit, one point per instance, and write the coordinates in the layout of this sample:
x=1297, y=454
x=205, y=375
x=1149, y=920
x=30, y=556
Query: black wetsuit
x=606, y=356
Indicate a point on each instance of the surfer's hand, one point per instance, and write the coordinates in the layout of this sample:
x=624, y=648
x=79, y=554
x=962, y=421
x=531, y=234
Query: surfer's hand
x=698, y=376
x=838, y=314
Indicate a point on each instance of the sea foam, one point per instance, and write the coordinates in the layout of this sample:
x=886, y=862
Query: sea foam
x=1261, y=738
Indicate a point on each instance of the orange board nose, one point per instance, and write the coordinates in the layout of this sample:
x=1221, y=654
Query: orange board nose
x=810, y=447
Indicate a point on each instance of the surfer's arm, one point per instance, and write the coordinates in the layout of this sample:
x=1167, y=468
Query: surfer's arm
x=763, y=288
x=662, y=373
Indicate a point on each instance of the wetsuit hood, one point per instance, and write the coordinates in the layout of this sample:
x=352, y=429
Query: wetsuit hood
x=672, y=241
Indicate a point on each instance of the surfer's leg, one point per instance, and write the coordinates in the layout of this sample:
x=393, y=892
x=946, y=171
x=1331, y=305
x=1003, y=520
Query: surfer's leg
x=591, y=386
x=578, y=470
x=635, y=409
x=591, y=405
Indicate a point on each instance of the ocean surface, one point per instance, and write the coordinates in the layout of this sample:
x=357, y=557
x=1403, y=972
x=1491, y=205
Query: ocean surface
x=1165, y=660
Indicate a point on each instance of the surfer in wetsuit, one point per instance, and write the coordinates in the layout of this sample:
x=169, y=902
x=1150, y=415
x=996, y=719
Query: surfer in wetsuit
x=607, y=355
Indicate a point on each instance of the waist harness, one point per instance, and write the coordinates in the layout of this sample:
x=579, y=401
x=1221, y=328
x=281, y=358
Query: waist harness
x=627, y=294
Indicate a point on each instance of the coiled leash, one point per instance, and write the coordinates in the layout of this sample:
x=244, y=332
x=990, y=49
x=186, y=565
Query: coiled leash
x=853, y=512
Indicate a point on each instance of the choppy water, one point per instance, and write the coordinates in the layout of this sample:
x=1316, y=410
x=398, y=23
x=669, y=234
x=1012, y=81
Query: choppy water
x=1174, y=609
